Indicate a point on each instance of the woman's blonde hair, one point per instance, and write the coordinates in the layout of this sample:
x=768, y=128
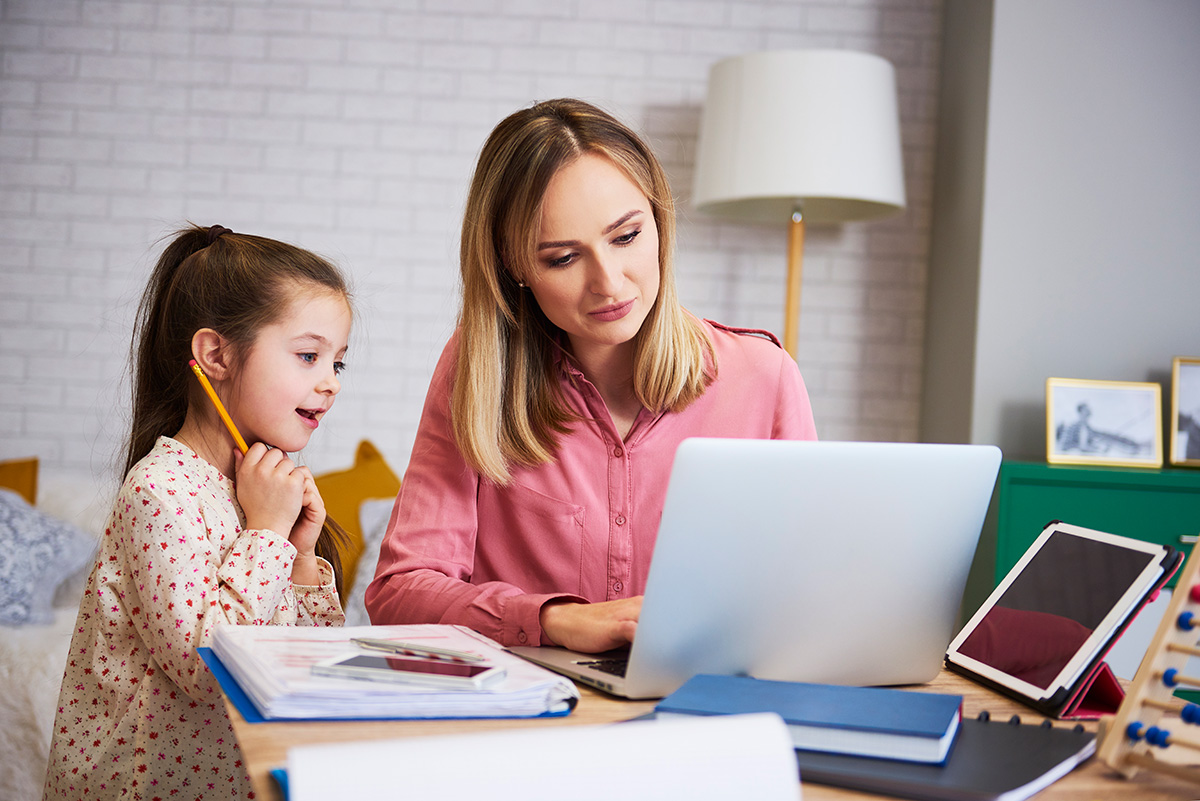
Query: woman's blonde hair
x=505, y=404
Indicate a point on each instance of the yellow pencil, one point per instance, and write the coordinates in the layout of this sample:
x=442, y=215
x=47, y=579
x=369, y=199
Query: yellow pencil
x=212, y=394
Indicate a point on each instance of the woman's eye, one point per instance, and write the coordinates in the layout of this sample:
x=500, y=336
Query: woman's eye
x=561, y=261
x=627, y=239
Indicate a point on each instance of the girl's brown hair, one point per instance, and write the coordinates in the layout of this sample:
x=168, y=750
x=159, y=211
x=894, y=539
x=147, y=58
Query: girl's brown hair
x=234, y=284
x=505, y=405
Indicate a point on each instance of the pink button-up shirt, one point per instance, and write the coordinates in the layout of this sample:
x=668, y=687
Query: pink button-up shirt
x=460, y=549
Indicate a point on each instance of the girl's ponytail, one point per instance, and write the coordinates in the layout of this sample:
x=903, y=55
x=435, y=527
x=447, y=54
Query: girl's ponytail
x=160, y=382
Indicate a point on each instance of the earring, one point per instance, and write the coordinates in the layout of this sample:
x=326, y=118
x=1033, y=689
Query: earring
x=521, y=284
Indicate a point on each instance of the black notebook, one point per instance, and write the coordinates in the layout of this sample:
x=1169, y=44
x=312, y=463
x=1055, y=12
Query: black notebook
x=992, y=760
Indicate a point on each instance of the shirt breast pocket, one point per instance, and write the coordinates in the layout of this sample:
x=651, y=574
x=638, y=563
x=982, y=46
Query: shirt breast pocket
x=530, y=539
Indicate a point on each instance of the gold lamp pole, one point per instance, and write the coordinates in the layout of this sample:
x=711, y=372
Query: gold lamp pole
x=791, y=306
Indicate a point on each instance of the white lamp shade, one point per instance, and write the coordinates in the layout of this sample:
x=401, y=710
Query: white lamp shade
x=815, y=129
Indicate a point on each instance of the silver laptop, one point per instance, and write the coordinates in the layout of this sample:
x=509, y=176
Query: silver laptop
x=829, y=562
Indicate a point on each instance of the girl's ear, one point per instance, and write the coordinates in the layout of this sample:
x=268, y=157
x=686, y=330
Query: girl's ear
x=212, y=352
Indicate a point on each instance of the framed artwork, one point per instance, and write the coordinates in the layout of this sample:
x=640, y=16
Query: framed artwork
x=1104, y=422
x=1185, y=411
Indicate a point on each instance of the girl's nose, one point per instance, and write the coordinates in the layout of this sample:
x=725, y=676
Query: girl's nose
x=330, y=384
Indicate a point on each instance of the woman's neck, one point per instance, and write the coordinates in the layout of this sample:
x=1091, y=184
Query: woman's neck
x=610, y=370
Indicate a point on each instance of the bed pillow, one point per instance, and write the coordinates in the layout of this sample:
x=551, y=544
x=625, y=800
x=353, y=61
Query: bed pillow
x=36, y=553
x=373, y=517
x=343, y=493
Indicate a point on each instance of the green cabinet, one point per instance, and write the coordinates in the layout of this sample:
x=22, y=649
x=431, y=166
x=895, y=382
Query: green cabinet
x=1154, y=505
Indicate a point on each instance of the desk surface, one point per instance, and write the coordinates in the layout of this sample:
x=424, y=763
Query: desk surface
x=264, y=745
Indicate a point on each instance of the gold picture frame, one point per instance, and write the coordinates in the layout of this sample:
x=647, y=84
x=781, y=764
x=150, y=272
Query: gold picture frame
x=1117, y=423
x=1185, y=411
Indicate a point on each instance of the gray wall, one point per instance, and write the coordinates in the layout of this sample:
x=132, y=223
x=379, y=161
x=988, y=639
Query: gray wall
x=1065, y=233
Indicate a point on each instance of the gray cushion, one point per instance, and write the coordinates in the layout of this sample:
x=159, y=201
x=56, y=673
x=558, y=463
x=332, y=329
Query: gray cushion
x=37, y=553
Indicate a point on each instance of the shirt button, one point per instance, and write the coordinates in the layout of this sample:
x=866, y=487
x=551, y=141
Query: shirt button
x=617, y=452
x=620, y=521
x=618, y=586
x=521, y=636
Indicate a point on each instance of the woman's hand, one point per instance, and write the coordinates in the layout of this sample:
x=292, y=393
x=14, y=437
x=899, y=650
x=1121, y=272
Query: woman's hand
x=591, y=628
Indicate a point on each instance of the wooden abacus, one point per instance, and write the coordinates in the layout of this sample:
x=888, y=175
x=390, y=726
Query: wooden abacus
x=1147, y=720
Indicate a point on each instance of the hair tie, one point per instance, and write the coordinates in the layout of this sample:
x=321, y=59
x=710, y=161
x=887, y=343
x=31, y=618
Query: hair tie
x=216, y=232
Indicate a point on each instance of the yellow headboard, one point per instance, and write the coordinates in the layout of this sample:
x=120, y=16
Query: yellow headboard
x=343, y=493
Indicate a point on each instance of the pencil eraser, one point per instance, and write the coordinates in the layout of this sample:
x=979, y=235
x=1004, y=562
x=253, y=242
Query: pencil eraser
x=191, y=362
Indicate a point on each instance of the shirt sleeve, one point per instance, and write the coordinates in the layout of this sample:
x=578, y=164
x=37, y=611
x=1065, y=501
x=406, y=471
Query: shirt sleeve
x=427, y=557
x=793, y=411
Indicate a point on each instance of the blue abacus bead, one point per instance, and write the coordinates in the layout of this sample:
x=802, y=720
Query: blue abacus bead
x=1184, y=621
x=1190, y=713
x=1169, y=677
x=1160, y=737
x=1134, y=731
x=1152, y=735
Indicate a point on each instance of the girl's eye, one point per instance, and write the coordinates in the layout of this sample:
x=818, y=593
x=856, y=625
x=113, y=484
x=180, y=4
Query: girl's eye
x=627, y=239
x=309, y=358
x=339, y=368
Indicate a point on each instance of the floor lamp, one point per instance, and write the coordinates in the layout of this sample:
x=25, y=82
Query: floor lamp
x=801, y=135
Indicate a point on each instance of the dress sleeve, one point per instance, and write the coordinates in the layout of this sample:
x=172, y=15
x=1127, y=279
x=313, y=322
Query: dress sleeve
x=427, y=557
x=318, y=604
x=184, y=586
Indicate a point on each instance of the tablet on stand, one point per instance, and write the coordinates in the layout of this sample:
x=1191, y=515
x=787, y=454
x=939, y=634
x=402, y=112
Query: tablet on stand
x=1042, y=634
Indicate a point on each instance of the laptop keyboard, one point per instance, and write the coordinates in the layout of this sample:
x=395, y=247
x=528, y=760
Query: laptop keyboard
x=615, y=666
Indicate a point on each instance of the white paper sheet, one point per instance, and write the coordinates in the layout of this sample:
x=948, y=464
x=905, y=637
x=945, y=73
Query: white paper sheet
x=699, y=759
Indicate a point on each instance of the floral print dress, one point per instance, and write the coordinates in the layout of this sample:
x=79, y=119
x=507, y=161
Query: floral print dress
x=139, y=714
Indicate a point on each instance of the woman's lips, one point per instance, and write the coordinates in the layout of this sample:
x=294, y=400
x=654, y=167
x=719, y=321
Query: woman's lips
x=614, y=312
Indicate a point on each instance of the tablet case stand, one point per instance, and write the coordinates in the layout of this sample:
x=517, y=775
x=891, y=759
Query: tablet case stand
x=1097, y=693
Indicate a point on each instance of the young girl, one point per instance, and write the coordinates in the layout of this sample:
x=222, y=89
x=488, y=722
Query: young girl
x=201, y=535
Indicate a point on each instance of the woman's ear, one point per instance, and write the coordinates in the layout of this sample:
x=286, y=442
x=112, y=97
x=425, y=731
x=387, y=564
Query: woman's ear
x=212, y=352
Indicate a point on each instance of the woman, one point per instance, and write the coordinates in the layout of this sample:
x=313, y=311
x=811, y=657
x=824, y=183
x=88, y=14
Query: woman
x=537, y=478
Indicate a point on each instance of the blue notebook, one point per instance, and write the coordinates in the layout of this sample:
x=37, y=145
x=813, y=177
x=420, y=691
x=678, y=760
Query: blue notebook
x=863, y=721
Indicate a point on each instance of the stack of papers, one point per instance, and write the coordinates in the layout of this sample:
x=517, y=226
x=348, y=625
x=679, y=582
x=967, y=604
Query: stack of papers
x=273, y=666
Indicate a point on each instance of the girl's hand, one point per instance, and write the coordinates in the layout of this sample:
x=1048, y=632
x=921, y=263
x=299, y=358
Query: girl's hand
x=270, y=488
x=591, y=628
x=306, y=531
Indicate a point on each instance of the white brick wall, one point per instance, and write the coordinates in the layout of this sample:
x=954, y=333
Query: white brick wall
x=352, y=130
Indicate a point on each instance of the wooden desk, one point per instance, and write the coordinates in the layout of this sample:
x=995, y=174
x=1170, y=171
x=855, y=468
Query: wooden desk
x=264, y=745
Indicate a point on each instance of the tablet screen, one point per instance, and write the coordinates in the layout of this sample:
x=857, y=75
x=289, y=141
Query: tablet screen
x=1051, y=608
